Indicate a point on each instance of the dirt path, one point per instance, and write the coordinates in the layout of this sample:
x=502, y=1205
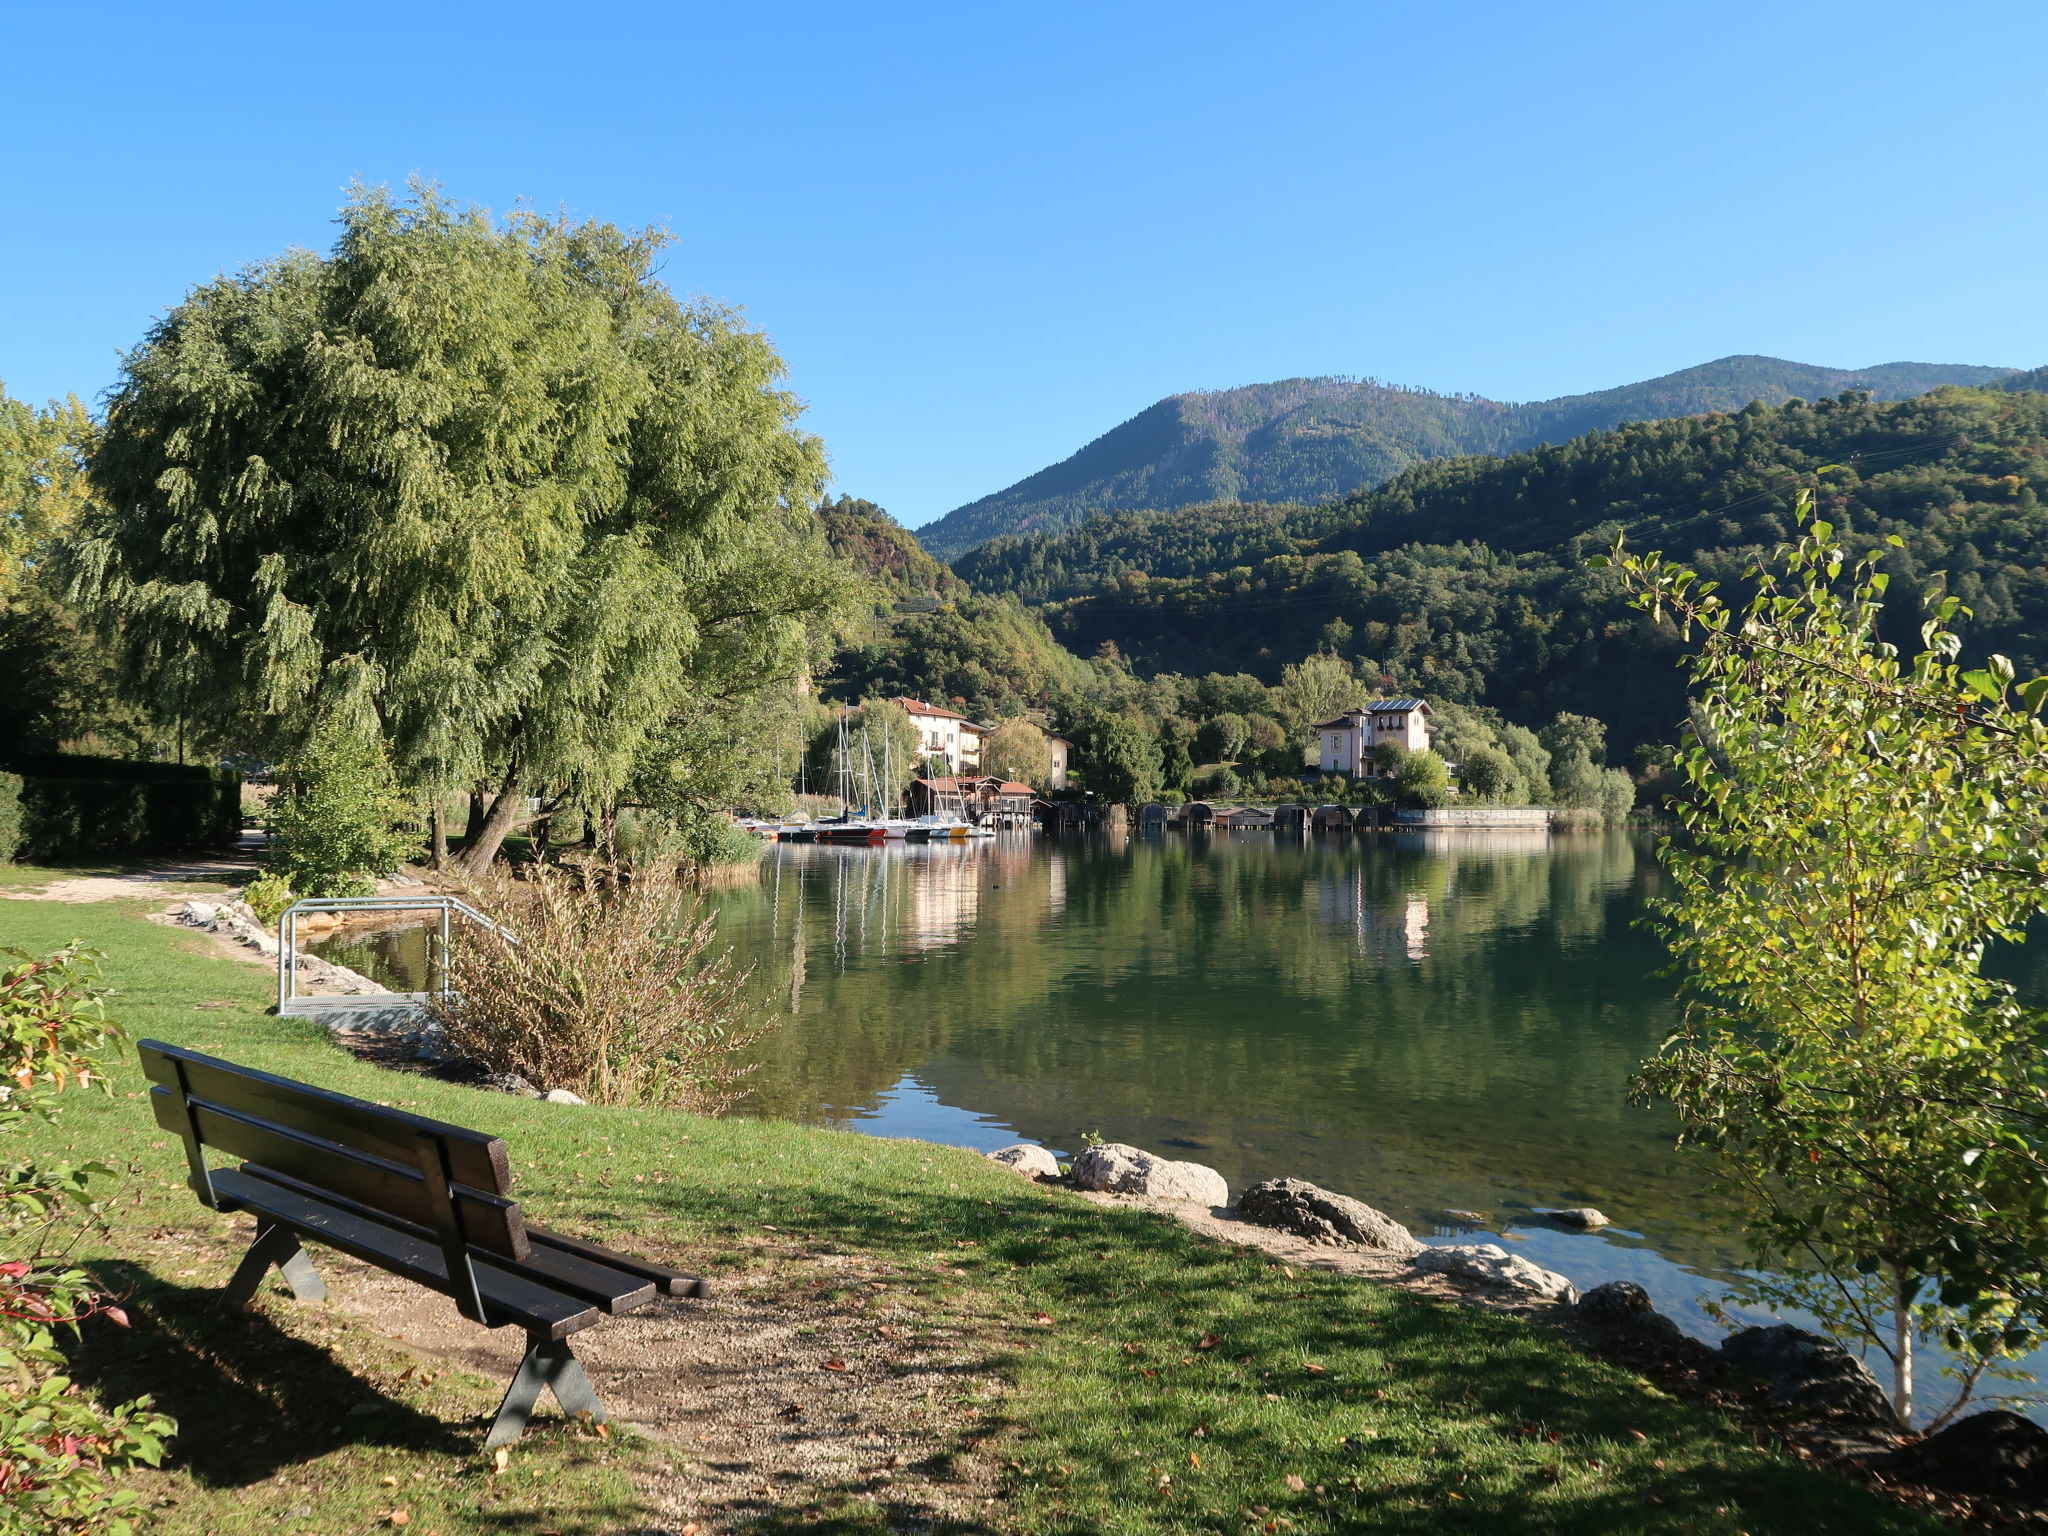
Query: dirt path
x=770, y=1396
x=149, y=882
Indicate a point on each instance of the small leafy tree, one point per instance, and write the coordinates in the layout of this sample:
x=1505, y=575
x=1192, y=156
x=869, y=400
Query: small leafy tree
x=1422, y=782
x=334, y=823
x=1489, y=774
x=1859, y=827
x=1016, y=749
x=58, y=1447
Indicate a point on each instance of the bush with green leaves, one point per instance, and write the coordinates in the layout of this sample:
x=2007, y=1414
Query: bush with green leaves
x=334, y=825
x=60, y=1449
x=267, y=896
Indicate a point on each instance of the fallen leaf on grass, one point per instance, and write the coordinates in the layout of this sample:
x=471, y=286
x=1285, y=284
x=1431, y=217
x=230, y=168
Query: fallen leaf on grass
x=388, y=1482
x=1043, y=1319
x=1314, y=1370
x=1207, y=1341
x=501, y=1458
x=399, y=1517
x=835, y=1365
x=1296, y=1483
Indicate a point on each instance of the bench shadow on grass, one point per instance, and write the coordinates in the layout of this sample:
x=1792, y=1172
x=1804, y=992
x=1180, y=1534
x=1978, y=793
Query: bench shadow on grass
x=250, y=1399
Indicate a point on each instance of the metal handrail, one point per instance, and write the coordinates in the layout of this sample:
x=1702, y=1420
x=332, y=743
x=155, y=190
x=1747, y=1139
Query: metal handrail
x=448, y=906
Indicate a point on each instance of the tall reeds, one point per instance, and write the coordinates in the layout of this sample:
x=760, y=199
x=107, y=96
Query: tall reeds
x=609, y=986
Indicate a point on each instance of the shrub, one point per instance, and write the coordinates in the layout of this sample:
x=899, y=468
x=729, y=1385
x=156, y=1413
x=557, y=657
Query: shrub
x=59, y=1448
x=267, y=896
x=10, y=816
x=606, y=986
x=334, y=823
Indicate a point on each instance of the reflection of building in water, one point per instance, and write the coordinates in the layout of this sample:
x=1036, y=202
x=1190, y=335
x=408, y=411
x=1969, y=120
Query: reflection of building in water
x=1415, y=927
x=1526, y=841
x=944, y=894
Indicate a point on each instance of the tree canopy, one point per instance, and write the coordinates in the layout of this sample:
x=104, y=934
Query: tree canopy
x=485, y=482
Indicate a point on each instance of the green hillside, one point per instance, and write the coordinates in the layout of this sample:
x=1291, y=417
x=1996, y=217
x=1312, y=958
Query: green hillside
x=1313, y=440
x=1466, y=578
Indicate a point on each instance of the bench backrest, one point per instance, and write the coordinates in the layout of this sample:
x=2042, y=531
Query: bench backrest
x=451, y=1182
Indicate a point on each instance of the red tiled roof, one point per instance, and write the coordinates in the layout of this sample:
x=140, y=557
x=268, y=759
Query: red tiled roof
x=918, y=707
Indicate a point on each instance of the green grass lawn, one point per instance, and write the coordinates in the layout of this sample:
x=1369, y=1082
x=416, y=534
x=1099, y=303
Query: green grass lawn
x=1322, y=1405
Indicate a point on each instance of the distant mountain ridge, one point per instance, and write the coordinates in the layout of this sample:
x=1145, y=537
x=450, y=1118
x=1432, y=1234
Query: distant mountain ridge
x=1314, y=440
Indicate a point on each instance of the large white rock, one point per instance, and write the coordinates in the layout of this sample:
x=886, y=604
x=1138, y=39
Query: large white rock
x=1489, y=1264
x=1123, y=1170
x=1029, y=1159
x=563, y=1096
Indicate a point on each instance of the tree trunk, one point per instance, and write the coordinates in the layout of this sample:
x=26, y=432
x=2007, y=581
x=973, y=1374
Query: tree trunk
x=1902, y=1349
x=482, y=847
x=475, y=828
x=437, y=825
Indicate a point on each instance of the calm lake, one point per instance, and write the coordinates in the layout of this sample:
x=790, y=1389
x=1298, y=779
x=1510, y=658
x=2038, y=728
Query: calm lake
x=1431, y=1022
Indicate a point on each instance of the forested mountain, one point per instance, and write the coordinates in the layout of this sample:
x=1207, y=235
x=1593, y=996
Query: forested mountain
x=1312, y=440
x=1466, y=579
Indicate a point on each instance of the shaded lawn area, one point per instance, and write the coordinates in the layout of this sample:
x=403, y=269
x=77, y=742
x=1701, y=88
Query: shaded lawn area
x=1316, y=1404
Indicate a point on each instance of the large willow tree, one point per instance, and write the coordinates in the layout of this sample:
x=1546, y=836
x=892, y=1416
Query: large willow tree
x=485, y=485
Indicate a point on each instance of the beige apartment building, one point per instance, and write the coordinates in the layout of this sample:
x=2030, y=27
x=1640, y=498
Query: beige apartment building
x=945, y=733
x=1348, y=740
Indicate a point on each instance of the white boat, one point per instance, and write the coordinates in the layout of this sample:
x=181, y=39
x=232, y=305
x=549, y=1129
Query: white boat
x=943, y=828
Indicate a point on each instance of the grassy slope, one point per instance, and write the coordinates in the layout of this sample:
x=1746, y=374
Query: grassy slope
x=1390, y=1411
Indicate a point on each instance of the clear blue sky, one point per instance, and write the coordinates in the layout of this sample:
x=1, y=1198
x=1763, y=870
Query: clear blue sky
x=982, y=235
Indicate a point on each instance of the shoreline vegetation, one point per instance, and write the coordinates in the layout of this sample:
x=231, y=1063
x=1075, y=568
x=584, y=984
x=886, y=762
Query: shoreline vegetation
x=1096, y=1369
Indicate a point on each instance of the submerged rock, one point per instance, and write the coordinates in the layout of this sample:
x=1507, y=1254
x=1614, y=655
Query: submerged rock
x=1029, y=1159
x=1992, y=1452
x=1583, y=1217
x=1490, y=1265
x=1807, y=1371
x=1297, y=1206
x=1124, y=1170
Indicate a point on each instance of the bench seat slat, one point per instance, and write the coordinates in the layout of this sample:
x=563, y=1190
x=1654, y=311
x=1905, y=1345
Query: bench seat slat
x=670, y=1282
x=475, y=1158
x=489, y=1221
x=612, y=1287
x=507, y=1297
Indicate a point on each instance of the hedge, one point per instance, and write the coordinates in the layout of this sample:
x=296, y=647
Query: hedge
x=10, y=816
x=95, y=807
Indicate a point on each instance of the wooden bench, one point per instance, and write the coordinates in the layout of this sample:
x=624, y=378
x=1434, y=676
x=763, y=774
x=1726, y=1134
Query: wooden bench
x=420, y=1198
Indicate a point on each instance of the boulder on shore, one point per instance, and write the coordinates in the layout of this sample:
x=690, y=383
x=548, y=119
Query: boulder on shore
x=1994, y=1452
x=1124, y=1170
x=1807, y=1371
x=564, y=1096
x=1297, y=1206
x=1029, y=1159
x=1490, y=1265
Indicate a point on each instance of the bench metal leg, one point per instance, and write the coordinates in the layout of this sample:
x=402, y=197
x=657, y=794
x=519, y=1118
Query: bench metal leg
x=275, y=1245
x=550, y=1364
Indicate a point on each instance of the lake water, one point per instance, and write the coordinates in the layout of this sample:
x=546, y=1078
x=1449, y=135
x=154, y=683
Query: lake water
x=1431, y=1022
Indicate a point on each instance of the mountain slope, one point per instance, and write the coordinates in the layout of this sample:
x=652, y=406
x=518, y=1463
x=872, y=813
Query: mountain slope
x=1314, y=440
x=1467, y=579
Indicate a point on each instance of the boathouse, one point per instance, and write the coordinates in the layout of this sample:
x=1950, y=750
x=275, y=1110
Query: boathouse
x=1331, y=818
x=1197, y=813
x=986, y=801
x=1290, y=818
